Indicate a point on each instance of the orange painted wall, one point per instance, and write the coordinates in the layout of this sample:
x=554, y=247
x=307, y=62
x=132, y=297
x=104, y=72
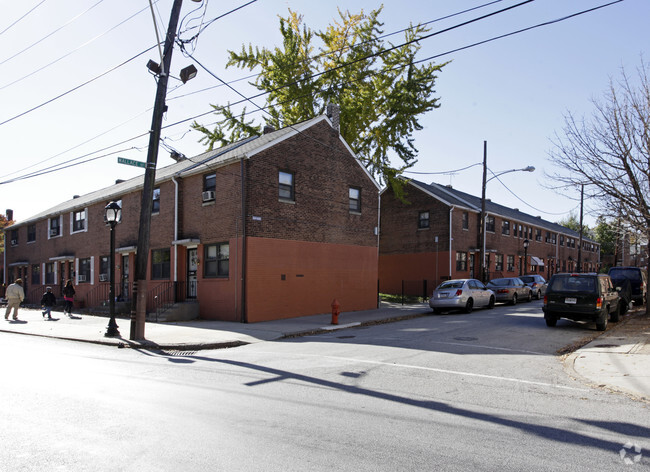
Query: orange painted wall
x=314, y=275
x=393, y=268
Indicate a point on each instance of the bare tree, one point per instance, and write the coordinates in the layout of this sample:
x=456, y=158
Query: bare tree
x=609, y=153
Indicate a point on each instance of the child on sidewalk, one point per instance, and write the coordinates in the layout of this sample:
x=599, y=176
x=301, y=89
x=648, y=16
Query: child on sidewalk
x=48, y=300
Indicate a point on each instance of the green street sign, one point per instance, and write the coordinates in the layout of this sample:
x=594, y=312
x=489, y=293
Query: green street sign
x=131, y=162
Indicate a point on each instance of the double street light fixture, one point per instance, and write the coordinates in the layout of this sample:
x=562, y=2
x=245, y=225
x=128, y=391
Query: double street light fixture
x=112, y=216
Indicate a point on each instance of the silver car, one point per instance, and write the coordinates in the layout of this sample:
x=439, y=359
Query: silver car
x=461, y=294
x=537, y=284
x=510, y=289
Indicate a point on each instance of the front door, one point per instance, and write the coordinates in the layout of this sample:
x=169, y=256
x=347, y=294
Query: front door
x=125, y=277
x=471, y=265
x=192, y=269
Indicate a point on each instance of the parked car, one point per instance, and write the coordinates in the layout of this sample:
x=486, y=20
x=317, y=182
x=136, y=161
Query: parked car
x=638, y=282
x=581, y=297
x=461, y=294
x=510, y=289
x=537, y=284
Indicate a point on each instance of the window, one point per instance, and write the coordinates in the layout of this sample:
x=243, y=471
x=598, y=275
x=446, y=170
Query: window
x=498, y=262
x=461, y=261
x=511, y=263
x=49, y=273
x=423, y=220
x=217, y=260
x=210, y=183
x=465, y=220
x=514, y=229
x=14, y=237
x=160, y=264
x=355, y=199
x=31, y=233
x=36, y=274
x=538, y=234
x=84, y=270
x=155, y=207
x=561, y=240
x=104, y=269
x=55, y=227
x=78, y=221
x=505, y=228
x=489, y=223
x=286, y=186
x=530, y=233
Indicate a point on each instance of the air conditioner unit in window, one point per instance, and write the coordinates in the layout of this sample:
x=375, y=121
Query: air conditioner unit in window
x=209, y=195
x=81, y=278
x=103, y=277
x=14, y=242
x=54, y=232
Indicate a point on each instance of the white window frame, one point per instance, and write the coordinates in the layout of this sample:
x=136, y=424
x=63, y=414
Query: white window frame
x=85, y=228
x=49, y=226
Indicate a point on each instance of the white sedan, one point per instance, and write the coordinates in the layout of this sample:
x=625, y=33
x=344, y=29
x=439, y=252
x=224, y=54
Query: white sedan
x=461, y=294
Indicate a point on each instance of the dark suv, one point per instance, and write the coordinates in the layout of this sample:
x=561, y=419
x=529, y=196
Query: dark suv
x=638, y=282
x=584, y=297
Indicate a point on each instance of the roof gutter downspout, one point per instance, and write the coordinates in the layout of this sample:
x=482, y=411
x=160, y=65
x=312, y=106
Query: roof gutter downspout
x=242, y=168
x=175, y=227
x=451, y=210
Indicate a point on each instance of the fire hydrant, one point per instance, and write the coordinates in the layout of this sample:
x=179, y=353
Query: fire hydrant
x=336, y=311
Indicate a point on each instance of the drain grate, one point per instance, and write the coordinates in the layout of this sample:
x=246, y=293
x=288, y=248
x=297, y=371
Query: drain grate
x=345, y=337
x=465, y=338
x=175, y=353
x=607, y=345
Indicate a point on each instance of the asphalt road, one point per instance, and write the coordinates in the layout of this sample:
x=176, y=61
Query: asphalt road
x=484, y=391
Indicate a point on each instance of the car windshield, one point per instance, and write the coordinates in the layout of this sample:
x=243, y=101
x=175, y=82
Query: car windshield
x=631, y=274
x=500, y=282
x=451, y=284
x=527, y=279
x=574, y=284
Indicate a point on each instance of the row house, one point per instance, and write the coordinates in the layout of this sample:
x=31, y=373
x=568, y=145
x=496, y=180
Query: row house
x=432, y=234
x=274, y=226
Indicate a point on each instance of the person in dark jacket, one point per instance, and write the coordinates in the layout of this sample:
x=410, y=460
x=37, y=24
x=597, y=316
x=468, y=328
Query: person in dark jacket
x=68, y=296
x=48, y=300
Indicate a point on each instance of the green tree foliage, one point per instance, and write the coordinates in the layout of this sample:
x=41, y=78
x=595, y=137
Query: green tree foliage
x=606, y=236
x=380, y=89
x=4, y=222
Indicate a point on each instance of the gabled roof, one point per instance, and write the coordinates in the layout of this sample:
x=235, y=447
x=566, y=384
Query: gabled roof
x=452, y=197
x=199, y=164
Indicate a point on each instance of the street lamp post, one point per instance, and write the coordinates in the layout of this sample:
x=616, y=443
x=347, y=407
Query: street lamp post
x=112, y=216
x=482, y=270
x=526, y=243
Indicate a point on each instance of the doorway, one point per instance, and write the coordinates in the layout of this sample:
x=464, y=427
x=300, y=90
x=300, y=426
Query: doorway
x=192, y=270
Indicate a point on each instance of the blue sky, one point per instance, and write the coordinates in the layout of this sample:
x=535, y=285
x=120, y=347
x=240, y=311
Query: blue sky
x=512, y=92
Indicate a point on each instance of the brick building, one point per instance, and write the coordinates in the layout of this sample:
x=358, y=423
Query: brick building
x=271, y=227
x=435, y=236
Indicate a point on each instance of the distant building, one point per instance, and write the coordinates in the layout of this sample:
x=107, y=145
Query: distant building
x=435, y=236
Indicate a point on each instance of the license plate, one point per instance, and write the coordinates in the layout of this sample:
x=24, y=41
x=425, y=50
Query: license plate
x=570, y=301
x=443, y=295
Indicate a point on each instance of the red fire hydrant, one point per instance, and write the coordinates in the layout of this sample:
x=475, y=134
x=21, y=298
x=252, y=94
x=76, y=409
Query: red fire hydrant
x=336, y=311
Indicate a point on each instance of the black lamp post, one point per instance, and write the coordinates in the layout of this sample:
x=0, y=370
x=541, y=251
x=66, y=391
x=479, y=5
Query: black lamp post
x=112, y=216
x=526, y=243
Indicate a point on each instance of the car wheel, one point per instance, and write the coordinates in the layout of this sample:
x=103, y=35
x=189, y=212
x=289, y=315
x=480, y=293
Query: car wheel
x=514, y=299
x=550, y=322
x=491, y=303
x=469, y=306
x=601, y=324
x=616, y=314
x=530, y=296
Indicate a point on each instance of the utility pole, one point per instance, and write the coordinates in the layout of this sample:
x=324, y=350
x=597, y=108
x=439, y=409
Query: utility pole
x=582, y=199
x=481, y=230
x=139, y=298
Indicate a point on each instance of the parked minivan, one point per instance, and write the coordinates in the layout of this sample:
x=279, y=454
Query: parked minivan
x=638, y=278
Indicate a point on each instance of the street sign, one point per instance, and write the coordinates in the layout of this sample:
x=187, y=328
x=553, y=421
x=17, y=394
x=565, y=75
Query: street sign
x=131, y=162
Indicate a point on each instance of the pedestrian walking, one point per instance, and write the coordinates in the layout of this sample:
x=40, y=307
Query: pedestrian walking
x=68, y=296
x=48, y=300
x=15, y=296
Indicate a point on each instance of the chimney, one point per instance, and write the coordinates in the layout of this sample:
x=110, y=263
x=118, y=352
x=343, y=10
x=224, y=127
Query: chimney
x=333, y=112
x=268, y=129
x=10, y=215
x=118, y=181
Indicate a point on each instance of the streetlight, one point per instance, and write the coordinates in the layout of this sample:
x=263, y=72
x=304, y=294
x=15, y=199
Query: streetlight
x=526, y=243
x=482, y=220
x=112, y=216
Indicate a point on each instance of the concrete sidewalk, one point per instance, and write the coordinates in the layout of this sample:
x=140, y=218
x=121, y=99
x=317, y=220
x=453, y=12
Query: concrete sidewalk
x=618, y=359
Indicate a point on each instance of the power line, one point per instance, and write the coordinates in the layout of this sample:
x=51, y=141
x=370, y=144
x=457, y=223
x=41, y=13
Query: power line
x=21, y=18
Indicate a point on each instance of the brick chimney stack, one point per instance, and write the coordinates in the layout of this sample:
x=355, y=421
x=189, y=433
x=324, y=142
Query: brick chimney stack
x=333, y=112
